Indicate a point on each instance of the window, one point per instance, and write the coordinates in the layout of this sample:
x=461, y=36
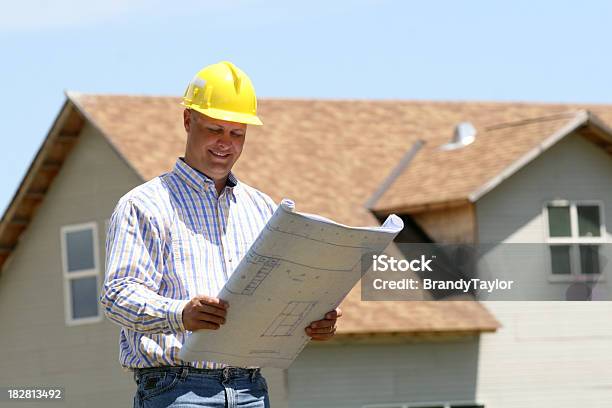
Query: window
x=80, y=266
x=575, y=233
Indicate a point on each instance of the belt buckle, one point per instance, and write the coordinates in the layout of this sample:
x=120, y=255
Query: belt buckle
x=226, y=373
x=253, y=373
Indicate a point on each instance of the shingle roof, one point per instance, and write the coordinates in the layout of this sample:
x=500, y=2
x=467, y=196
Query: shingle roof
x=435, y=176
x=330, y=156
x=327, y=155
x=331, y=150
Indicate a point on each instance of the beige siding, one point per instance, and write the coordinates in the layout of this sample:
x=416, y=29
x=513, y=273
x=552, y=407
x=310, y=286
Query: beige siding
x=453, y=225
x=350, y=376
x=37, y=346
x=547, y=353
x=574, y=169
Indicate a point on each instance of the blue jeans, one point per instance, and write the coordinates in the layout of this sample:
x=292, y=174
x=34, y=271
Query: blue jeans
x=188, y=387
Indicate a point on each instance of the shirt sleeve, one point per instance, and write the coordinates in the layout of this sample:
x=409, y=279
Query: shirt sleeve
x=134, y=270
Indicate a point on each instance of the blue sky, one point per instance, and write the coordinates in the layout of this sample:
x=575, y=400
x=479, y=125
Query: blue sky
x=520, y=50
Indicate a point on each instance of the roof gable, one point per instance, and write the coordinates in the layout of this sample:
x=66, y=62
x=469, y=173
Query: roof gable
x=45, y=166
x=436, y=177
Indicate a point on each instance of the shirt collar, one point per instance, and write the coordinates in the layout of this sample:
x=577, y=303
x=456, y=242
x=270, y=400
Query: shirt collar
x=200, y=181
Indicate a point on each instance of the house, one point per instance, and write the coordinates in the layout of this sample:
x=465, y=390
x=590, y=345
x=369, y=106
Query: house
x=541, y=180
x=332, y=158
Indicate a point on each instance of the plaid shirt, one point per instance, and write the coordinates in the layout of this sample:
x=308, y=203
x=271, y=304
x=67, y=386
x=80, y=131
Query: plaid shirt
x=169, y=240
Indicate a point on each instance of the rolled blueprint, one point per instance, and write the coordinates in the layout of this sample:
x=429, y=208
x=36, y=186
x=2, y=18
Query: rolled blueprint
x=300, y=267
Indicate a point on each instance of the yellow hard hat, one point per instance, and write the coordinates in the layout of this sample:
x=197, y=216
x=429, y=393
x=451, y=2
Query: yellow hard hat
x=222, y=91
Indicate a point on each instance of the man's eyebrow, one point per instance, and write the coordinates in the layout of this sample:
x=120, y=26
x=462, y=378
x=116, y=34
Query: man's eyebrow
x=213, y=126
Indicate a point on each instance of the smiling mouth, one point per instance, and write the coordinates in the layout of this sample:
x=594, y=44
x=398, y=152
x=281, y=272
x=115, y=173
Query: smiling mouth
x=220, y=155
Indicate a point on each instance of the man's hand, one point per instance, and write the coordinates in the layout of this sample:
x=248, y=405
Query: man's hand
x=324, y=329
x=203, y=312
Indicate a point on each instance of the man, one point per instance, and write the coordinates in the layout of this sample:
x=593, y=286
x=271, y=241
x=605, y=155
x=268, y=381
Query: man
x=172, y=243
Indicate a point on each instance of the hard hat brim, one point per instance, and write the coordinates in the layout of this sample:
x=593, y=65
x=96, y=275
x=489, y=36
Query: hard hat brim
x=220, y=114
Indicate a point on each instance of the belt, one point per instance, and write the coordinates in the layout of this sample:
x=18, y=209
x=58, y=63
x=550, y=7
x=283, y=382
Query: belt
x=223, y=374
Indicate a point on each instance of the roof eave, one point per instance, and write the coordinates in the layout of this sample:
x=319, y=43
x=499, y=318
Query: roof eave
x=421, y=207
x=409, y=336
x=57, y=134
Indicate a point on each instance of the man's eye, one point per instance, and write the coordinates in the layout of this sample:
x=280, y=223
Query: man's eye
x=215, y=130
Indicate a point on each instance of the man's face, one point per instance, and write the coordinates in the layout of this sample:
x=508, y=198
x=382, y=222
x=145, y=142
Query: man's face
x=213, y=145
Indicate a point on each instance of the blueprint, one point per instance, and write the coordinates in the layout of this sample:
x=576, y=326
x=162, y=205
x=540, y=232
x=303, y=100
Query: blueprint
x=300, y=267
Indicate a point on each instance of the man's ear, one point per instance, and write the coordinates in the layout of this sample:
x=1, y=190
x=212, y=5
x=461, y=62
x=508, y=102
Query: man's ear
x=186, y=119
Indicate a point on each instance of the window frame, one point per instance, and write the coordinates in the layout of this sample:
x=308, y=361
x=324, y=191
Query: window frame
x=85, y=273
x=574, y=241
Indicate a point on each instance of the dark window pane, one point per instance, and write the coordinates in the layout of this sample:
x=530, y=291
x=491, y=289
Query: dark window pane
x=588, y=221
x=559, y=221
x=84, y=297
x=80, y=250
x=589, y=259
x=560, y=259
x=467, y=406
x=429, y=406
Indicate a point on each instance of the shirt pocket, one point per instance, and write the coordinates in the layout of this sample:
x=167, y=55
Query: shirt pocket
x=182, y=253
x=180, y=267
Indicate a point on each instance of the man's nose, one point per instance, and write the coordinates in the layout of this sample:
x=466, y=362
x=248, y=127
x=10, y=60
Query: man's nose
x=225, y=139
